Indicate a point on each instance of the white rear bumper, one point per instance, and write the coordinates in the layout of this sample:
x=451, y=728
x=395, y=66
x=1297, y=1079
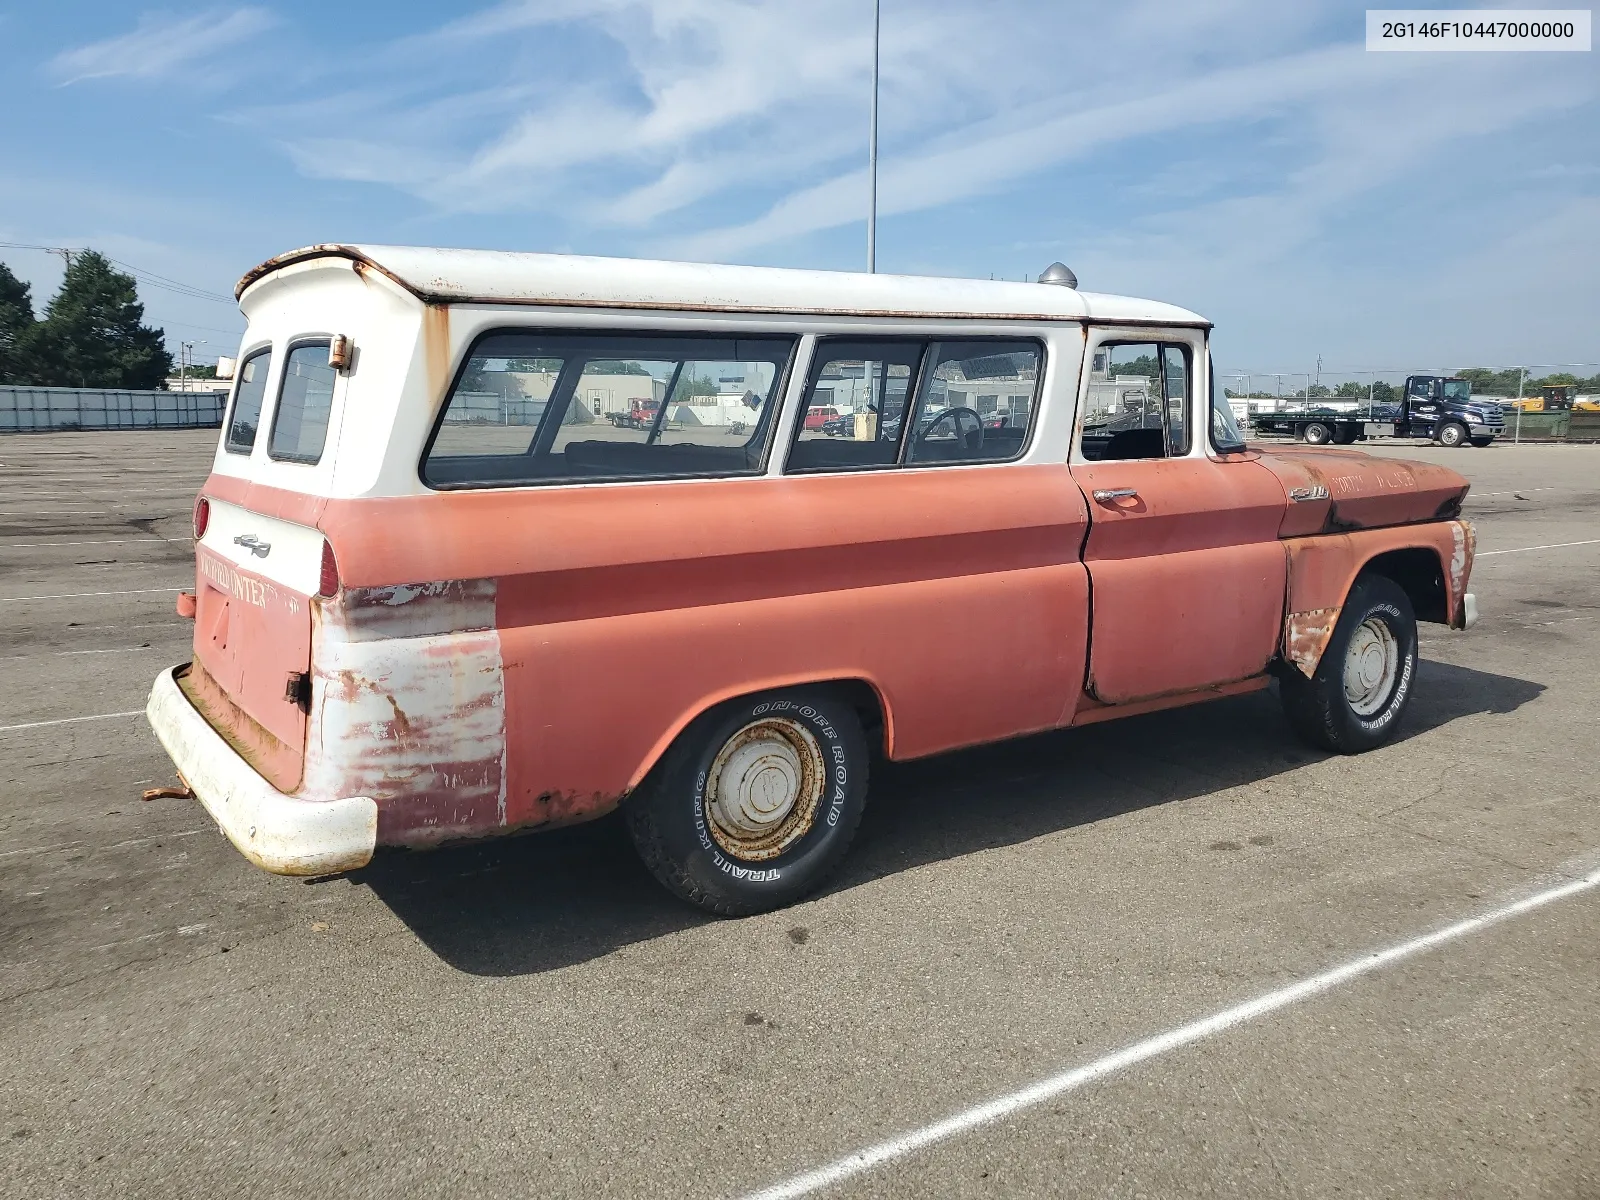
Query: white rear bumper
x=276, y=832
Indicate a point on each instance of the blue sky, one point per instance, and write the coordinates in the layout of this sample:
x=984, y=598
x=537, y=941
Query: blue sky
x=1246, y=158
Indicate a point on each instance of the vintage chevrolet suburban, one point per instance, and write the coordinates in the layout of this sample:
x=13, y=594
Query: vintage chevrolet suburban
x=446, y=588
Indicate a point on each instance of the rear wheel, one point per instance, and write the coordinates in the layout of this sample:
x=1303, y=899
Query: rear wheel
x=1347, y=436
x=1362, y=685
x=1318, y=434
x=1453, y=434
x=756, y=803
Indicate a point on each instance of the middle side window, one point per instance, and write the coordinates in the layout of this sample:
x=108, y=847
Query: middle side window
x=974, y=402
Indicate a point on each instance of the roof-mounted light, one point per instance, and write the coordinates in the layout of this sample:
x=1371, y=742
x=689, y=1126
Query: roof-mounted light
x=1059, y=273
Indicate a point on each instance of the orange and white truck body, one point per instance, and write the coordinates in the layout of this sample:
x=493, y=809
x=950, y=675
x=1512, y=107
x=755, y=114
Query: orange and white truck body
x=389, y=654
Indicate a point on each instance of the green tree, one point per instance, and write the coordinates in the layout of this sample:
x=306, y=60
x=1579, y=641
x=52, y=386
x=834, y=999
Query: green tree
x=1383, y=393
x=93, y=334
x=16, y=318
x=695, y=385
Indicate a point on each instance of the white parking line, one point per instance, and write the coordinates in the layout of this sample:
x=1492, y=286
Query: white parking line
x=132, y=712
x=100, y=542
x=73, y=653
x=1525, y=549
x=1053, y=1086
x=81, y=595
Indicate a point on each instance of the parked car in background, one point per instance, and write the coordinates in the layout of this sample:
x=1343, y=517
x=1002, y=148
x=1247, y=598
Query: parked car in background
x=819, y=418
x=840, y=425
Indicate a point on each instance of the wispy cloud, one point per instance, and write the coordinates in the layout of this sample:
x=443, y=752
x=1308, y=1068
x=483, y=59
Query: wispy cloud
x=160, y=45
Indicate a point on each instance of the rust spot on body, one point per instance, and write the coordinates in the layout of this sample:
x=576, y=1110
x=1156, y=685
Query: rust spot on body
x=436, y=352
x=1305, y=637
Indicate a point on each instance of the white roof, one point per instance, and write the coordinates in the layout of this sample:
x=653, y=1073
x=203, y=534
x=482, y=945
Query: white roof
x=504, y=277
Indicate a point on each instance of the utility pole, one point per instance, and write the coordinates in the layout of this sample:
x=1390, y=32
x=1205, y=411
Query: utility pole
x=1522, y=379
x=183, y=365
x=65, y=254
x=872, y=148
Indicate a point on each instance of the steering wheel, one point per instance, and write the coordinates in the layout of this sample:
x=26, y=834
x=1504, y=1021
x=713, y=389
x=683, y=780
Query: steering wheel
x=971, y=440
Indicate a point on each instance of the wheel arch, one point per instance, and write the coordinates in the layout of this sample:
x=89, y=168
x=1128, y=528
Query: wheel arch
x=1431, y=563
x=860, y=692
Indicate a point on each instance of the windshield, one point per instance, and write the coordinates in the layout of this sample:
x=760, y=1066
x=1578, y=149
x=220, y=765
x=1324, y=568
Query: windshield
x=1457, y=389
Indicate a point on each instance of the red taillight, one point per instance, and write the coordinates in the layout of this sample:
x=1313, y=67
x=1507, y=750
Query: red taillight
x=329, y=585
x=202, y=517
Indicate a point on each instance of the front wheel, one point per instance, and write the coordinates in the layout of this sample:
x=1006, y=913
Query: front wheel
x=1480, y=443
x=1318, y=434
x=756, y=802
x=1453, y=434
x=1362, y=684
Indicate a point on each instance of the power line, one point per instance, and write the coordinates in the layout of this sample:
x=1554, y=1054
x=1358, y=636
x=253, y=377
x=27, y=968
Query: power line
x=149, y=277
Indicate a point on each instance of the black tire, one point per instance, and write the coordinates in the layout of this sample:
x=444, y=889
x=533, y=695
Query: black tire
x=1318, y=434
x=1347, y=436
x=1320, y=709
x=1480, y=443
x=1453, y=433
x=676, y=829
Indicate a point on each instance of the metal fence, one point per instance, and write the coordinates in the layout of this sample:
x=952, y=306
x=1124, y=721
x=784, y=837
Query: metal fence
x=41, y=409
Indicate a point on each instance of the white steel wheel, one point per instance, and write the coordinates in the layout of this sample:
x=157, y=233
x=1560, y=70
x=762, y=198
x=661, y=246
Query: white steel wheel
x=763, y=788
x=1371, y=666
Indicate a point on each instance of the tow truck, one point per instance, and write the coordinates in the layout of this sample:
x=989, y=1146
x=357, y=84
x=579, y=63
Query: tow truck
x=1438, y=407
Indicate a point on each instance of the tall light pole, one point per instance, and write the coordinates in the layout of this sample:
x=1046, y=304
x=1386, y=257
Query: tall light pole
x=872, y=149
x=1522, y=379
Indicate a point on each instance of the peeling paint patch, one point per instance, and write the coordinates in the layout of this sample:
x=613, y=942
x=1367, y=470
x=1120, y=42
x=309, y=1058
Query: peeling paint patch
x=410, y=709
x=1305, y=637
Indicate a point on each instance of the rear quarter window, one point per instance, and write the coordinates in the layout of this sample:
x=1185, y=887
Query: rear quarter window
x=247, y=399
x=305, y=402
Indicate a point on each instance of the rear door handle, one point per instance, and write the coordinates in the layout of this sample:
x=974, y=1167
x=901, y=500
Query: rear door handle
x=1107, y=495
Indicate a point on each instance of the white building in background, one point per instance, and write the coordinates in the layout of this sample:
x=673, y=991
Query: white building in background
x=188, y=383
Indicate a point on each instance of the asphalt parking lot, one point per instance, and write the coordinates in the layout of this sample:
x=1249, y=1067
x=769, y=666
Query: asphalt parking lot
x=537, y=1017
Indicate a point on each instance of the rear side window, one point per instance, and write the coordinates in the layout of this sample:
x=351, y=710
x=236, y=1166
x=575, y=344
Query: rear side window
x=531, y=408
x=252, y=390
x=305, y=402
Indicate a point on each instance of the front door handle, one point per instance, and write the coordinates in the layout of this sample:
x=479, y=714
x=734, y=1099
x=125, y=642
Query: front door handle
x=1107, y=495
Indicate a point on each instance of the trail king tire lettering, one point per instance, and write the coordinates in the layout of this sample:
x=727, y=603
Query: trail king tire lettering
x=756, y=802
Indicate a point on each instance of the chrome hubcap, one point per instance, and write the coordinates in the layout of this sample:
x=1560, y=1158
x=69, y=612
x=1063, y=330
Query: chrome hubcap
x=1371, y=666
x=763, y=788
